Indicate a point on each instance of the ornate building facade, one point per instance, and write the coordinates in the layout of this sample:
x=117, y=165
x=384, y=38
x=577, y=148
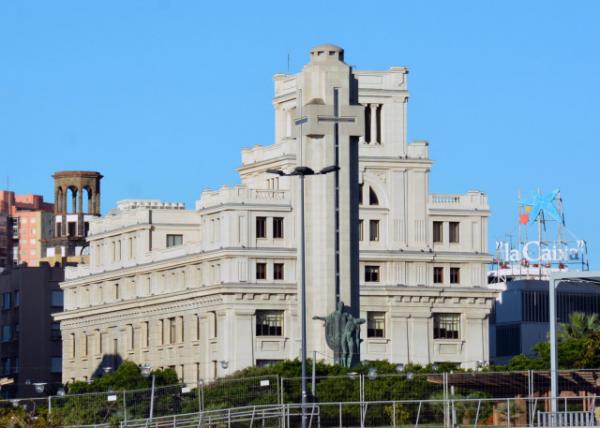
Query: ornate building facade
x=212, y=290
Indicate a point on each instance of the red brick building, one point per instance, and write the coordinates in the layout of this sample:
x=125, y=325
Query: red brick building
x=25, y=222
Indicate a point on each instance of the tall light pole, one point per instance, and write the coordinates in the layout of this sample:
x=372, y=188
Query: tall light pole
x=146, y=370
x=303, y=171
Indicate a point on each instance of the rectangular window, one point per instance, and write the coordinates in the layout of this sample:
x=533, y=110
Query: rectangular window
x=446, y=326
x=454, y=275
x=17, y=298
x=197, y=322
x=55, y=331
x=361, y=188
x=438, y=275
x=508, y=340
x=261, y=271
x=6, y=366
x=267, y=363
x=7, y=333
x=361, y=232
x=56, y=365
x=261, y=227
x=454, y=234
x=174, y=240
x=278, y=271
x=56, y=298
x=172, y=330
x=182, y=331
x=161, y=326
x=269, y=323
x=6, y=300
x=375, y=324
x=438, y=231
x=374, y=230
x=371, y=273
x=277, y=227
x=146, y=326
x=131, y=336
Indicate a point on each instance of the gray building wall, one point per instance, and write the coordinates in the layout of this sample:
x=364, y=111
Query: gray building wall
x=520, y=314
x=26, y=352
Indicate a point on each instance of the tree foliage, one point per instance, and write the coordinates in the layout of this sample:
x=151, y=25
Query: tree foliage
x=578, y=346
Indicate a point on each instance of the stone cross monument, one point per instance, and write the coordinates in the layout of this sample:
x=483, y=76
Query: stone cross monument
x=329, y=121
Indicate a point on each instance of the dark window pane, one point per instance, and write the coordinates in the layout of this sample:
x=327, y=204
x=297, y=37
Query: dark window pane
x=261, y=271
x=371, y=273
x=446, y=326
x=454, y=231
x=269, y=323
x=277, y=227
x=438, y=234
x=373, y=199
x=261, y=227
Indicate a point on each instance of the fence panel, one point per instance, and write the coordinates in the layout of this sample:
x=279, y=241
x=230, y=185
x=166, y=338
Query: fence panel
x=404, y=386
x=577, y=382
x=87, y=409
x=225, y=393
x=327, y=388
x=488, y=384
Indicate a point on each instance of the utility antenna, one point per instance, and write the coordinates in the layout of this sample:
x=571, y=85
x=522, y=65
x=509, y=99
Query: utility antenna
x=288, y=62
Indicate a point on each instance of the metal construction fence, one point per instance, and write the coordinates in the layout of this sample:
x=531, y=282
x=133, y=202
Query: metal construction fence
x=473, y=413
x=115, y=407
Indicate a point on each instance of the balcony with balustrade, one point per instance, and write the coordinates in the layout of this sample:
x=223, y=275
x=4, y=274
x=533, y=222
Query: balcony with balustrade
x=473, y=200
x=242, y=195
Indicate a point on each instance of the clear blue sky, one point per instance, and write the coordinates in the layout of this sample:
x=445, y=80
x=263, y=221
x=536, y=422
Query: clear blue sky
x=160, y=95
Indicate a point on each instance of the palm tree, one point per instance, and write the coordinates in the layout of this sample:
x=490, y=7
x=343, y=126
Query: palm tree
x=580, y=325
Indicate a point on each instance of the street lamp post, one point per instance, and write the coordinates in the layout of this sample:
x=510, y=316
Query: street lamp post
x=147, y=371
x=303, y=171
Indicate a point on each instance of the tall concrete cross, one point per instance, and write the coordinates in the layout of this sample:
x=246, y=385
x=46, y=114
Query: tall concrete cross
x=336, y=119
x=328, y=95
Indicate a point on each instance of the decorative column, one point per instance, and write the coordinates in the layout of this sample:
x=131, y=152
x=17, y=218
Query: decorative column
x=80, y=229
x=64, y=212
x=374, y=134
x=399, y=335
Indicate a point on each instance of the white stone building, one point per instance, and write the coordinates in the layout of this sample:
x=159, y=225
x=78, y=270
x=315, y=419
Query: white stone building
x=213, y=290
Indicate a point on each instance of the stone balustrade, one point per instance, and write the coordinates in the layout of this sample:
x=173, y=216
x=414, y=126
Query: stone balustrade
x=472, y=200
x=260, y=153
x=241, y=194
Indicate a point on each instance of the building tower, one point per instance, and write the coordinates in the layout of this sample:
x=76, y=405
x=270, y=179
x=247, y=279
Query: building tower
x=331, y=122
x=72, y=212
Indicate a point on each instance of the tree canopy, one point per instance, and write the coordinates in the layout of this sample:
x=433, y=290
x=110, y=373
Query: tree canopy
x=578, y=346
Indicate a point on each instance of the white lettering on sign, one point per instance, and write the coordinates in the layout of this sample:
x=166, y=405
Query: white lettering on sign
x=533, y=252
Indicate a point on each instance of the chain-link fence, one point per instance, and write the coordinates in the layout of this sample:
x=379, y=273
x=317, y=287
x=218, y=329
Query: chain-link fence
x=425, y=389
x=236, y=392
x=113, y=407
x=483, y=412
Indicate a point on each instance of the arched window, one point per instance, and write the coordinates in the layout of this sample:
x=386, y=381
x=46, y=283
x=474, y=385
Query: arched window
x=71, y=195
x=360, y=193
x=373, y=200
x=86, y=200
x=59, y=200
